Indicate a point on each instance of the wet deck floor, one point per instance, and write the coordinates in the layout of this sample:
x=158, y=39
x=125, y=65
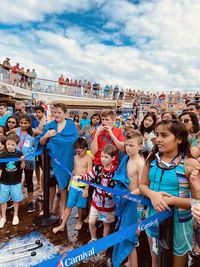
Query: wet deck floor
x=66, y=240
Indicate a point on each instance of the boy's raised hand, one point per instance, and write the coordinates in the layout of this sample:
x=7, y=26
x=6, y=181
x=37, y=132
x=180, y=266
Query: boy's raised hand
x=107, y=128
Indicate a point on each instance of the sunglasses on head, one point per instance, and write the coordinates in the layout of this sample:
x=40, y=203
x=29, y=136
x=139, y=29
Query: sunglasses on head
x=13, y=122
x=185, y=120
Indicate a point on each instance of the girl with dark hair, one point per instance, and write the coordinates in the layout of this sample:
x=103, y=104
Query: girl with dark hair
x=11, y=123
x=26, y=146
x=167, y=115
x=166, y=181
x=147, y=129
x=88, y=130
x=77, y=122
x=190, y=120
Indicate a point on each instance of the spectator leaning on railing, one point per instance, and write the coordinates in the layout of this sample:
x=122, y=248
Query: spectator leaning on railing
x=32, y=77
x=6, y=70
x=15, y=74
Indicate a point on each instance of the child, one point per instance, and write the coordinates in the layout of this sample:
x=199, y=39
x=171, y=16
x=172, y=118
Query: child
x=40, y=115
x=129, y=175
x=103, y=205
x=26, y=146
x=107, y=134
x=166, y=181
x=78, y=192
x=10, y=180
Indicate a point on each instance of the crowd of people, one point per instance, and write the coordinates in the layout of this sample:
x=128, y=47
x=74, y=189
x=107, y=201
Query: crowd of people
x=17, y=75
x=25, y=78
x=157, y=157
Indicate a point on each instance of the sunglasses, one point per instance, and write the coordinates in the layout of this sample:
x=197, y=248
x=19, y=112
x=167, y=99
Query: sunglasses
x=164, y=165
x=190, y=109
x=185, y=120
x=13, y=122
x=18, y=110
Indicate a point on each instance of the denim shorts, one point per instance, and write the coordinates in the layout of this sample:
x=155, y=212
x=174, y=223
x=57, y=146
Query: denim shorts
x=13, y=192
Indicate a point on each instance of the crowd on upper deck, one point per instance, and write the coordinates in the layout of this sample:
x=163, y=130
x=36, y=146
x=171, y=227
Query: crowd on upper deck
x=16, y=74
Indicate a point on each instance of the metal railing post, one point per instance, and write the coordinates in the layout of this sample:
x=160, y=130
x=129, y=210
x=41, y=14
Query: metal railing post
x=165, y=245
x=46, y=219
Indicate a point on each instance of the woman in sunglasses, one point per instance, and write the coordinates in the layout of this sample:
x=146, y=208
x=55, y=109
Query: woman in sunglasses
x=11, y=123
x=190, y=120
x=166, y=180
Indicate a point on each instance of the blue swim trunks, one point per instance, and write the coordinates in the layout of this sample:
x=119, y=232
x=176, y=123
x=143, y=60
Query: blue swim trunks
x=11, y=191
x=75, y=198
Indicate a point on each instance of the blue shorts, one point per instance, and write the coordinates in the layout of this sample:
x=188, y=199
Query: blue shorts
x=75, y=198
x=13, y=192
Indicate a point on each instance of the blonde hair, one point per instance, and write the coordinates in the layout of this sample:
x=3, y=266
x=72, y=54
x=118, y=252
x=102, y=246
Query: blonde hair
x=107, y=112
x=134, y=134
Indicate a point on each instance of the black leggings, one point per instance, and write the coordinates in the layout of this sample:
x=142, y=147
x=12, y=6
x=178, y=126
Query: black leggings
x=29, y=180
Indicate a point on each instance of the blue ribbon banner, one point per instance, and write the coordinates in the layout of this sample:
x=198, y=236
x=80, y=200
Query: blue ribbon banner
x=26, y=157
x=89, y=250
x=74, y=256
x=125, y=194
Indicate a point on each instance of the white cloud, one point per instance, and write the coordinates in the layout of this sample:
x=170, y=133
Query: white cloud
x=13, y=11
x=165, y=34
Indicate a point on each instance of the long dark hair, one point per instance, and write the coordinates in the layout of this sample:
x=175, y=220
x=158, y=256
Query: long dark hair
x=76, y=118
x=95, y=115
x=11, y=117
x=27, y=118
x=178, y=129
x=152, y=127
x=193, y=118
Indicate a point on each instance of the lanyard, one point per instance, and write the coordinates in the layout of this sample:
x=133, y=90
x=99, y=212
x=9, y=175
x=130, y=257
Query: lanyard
x=23, y=141
x=106, y=139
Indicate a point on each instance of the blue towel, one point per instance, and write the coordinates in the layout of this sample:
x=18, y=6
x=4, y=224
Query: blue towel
x=127, y=214
x=61, y=147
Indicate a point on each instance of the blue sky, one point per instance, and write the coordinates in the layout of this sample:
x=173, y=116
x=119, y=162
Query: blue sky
x=150, y=45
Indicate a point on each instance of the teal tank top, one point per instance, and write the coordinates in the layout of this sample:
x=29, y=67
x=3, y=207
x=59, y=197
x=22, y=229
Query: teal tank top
x=174, y=182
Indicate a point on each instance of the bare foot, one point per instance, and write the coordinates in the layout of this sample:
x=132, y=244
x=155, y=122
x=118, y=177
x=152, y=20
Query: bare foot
x=42, y=212
x=78, y=225
x=86, y=220
x=57, y=229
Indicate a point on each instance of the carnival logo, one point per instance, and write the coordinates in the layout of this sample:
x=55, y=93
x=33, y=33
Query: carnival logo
x=134, y=199
x=142, y=227
x=69, y=261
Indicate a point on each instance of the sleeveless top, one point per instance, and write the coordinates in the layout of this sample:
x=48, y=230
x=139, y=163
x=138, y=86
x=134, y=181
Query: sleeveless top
x=26, y=144
x=174, y=182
